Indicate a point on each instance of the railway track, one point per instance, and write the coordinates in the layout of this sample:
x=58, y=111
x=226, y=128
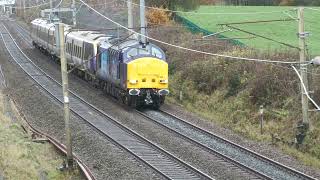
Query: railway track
x=161, y=161
x=240, y=157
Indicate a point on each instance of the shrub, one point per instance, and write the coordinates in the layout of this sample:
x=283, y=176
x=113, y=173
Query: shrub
x=158, y=17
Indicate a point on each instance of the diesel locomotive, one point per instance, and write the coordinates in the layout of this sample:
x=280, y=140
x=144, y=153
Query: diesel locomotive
x=135, y=73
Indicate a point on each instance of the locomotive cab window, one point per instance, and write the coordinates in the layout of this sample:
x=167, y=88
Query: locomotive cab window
x=149, y=51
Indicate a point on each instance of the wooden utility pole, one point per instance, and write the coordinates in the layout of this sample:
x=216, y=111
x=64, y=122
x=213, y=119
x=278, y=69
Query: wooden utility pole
x=303, y=69
x=64, y=72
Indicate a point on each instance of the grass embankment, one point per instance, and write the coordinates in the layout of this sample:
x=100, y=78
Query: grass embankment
x=280, y=31
x=231, y=92
x=21, y=158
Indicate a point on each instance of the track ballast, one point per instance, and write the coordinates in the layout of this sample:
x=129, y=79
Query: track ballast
x=155, y=157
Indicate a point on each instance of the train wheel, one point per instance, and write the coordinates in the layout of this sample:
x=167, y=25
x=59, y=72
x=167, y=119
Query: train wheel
x=126, y=99
x=156, y=105
x=157, y=102
x=133, y=101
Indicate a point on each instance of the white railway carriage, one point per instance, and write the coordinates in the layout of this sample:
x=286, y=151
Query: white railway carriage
x=43, y=35
x=82, y=48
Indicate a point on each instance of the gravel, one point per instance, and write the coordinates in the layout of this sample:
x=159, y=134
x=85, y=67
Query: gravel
x=219, y=146
x=167, y=140
x=106, y=160
x=263, y=148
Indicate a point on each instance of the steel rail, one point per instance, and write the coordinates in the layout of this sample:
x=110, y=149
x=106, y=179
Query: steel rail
x=231, y=161
x=85, y=170
x=293, y=171
x=241, y=148
x=171, y=167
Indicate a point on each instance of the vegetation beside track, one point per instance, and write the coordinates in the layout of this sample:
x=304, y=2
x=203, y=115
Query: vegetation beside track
x=21, y=158
x=231, y=92
x=285, y=31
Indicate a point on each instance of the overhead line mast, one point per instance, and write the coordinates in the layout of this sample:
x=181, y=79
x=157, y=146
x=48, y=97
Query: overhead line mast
x=130, y=15
x=143, y=38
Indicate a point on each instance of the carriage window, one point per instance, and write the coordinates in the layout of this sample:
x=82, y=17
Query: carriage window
x=77, y=51
x=79, y=55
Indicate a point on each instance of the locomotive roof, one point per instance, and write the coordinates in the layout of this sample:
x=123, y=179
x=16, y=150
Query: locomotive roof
x=119, y=43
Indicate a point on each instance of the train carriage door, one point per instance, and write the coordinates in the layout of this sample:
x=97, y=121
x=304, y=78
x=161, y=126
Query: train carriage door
x=104, y=60
x=98, y=57
x=88, y=55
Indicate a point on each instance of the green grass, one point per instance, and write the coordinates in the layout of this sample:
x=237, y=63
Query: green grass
x=280, y=31
x=21, y=158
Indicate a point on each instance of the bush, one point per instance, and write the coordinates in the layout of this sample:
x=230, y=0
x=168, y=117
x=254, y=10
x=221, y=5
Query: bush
x=158, y=16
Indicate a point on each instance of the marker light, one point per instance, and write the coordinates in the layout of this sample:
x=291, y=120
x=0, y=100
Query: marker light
x=164, y=81
x=133, y=81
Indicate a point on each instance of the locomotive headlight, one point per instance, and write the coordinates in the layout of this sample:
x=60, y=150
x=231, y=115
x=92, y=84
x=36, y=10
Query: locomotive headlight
x=164, y=81
x=133, y=81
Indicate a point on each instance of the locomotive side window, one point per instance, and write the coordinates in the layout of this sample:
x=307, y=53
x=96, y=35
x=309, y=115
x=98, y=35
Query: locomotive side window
x=133, y=52
x=156, y=52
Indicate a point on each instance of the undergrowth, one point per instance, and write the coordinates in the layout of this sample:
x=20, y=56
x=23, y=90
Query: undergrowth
x=230, y=92
x=21, y=158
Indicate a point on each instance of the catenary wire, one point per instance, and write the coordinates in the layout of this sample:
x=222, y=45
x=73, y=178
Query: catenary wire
x=314, y=9
x=197, y=13
x=305, y=89
x=58, y=5
x=188, y=49
x=31, y=7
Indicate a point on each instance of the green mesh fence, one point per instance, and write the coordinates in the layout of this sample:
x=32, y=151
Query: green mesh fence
x=196, y=29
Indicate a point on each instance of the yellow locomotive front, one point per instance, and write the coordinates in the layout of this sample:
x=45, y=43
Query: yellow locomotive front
x=146, y=76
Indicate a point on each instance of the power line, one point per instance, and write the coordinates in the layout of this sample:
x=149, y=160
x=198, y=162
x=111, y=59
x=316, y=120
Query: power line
x=105, y=3
x=192, y=50
x=305, y=89
x=30, y=7
x=197, y=13
x=256, y=22
x=314, y=9
x=58, y=5
x=257, y=35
